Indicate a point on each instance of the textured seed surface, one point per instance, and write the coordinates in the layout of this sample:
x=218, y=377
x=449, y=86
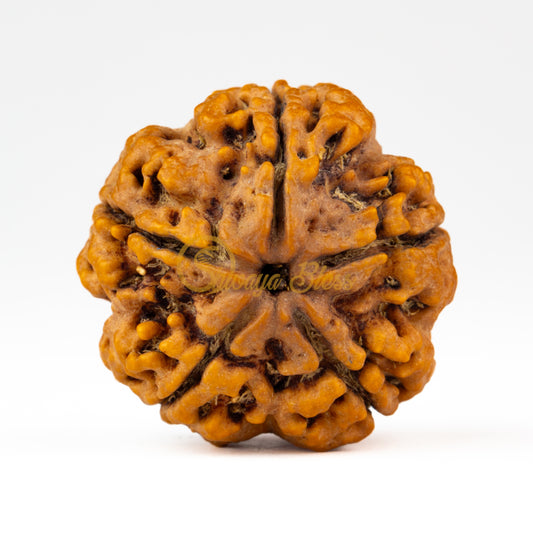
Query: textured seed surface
x=287, y=185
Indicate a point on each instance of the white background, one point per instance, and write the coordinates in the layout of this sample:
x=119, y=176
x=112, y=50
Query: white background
x=450, y=85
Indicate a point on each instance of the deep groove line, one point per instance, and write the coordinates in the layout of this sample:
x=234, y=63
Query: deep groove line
x=218, y=346
x=195, y=375
x=169, y=243
x=374, y=248
x=280, y=168
x=327, y=359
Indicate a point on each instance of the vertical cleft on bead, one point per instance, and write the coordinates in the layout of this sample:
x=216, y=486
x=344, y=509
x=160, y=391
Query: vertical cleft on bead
x=280, y=168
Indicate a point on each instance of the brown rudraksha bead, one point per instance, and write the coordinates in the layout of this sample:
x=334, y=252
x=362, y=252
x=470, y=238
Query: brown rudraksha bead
x=269, y=269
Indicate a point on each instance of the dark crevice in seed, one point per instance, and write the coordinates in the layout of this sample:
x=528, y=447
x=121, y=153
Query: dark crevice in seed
x=163, y=242
x=170, y=243
x=242, y=404
x=138, y=173
x=276, y=278
x=132, y=282
x=244, y=362
x=227, y=172
x=200, y=143
x=156, y=269
x=412, y=306
x=274, y=349
x=218, y=346
x=120, y=216
x=279, y=382
x=174, y=218
x=250, y=129
x=374, y=248
x=327, y=359
x=233, y=137
x=311, y=421
x=158, y=191
x=391, y=282
x=394, y=381
x=205, y=410
x=195, y=376
x=280, y=167
x=331, y=144
x=331, y=171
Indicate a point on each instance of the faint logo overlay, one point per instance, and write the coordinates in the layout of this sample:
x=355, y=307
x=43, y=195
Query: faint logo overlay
x=214, y=269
